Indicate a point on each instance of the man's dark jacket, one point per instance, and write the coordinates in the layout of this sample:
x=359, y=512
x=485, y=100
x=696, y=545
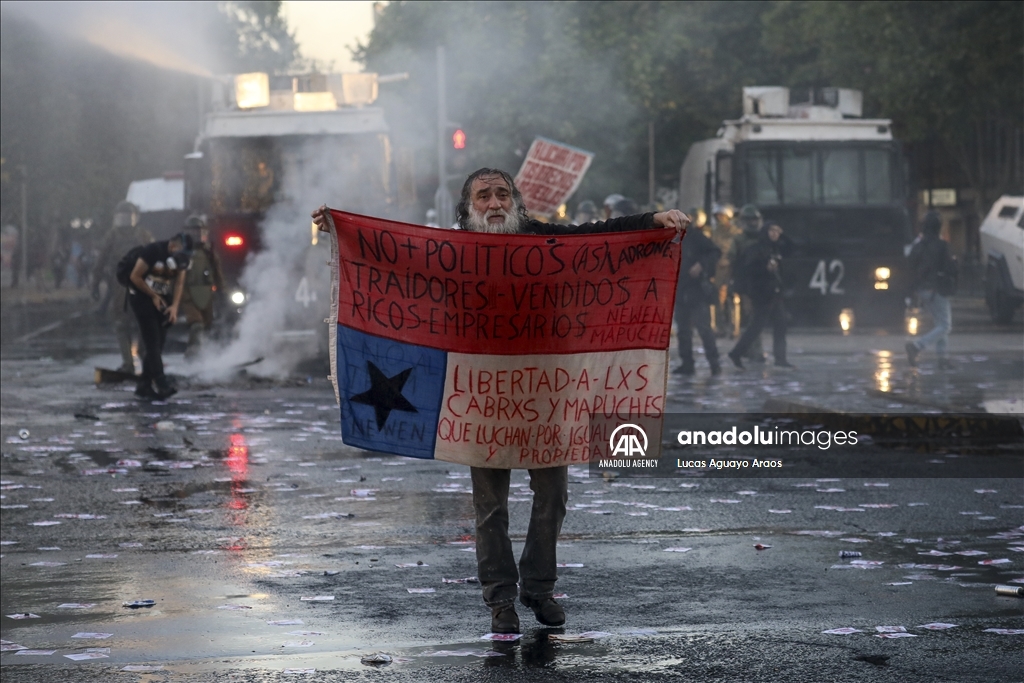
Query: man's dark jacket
x=761, y=283
x=927, y=259
x=697, y=249
x=643, y=221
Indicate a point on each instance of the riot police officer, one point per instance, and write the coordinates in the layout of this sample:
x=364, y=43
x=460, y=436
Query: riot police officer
x=204, y=281
x=750, y=224
x=123, y=235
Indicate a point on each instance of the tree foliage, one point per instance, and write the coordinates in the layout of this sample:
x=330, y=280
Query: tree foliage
x=254, y=36
x=84, y=123
x=593, y=74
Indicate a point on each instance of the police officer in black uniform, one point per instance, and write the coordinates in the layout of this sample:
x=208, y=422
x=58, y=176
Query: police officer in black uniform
x=762, y=270
x=694, y=296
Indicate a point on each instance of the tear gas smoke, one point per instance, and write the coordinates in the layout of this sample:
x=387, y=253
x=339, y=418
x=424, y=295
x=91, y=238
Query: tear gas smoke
x=277, y=323
x=170, y=35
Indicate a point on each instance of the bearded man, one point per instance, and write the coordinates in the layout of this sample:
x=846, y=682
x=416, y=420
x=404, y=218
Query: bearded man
x=491, y=203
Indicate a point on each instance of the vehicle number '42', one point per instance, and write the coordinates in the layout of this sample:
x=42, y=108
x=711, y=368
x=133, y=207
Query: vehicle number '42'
x=305, y=294
x=822, y=275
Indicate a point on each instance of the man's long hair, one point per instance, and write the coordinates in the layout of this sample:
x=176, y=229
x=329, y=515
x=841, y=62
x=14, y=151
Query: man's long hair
x=466, y=200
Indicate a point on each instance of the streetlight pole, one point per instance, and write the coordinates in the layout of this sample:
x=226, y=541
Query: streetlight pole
x=442, y=198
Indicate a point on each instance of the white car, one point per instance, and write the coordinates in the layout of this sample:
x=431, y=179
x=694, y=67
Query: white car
x=1002, y=244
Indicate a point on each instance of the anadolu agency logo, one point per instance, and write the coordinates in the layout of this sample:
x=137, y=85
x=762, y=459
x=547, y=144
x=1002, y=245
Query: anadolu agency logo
x=628, y=443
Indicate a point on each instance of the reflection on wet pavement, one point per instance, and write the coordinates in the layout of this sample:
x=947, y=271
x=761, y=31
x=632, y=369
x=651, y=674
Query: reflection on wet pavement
x=238, y=510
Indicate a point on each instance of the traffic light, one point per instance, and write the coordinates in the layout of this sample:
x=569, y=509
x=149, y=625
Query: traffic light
x=459, y=152
x=459, y=139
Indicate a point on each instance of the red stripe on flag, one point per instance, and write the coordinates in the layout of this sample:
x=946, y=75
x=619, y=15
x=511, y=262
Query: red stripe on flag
x=506, y=294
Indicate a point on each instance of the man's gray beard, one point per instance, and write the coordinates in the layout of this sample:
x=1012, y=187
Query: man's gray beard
x=477, y=222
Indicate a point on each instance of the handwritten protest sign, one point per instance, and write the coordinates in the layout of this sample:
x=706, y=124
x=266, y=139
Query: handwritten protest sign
x=497, y=350
x=551, y=172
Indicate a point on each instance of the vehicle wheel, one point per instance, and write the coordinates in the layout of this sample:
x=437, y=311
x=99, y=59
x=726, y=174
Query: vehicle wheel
x=1000, y=306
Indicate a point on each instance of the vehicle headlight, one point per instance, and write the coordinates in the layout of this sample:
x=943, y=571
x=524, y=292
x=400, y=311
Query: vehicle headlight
x=238, y=298
x=882, y=277
x=846, y=320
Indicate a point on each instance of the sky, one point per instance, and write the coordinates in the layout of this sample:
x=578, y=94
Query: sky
x=327, y=30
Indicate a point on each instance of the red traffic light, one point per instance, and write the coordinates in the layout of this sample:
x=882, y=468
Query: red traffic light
x=459, y=139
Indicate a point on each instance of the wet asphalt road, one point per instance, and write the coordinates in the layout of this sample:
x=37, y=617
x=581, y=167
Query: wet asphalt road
x=230, y=503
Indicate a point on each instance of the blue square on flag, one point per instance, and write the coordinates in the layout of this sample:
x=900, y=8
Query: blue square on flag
x=390, y=393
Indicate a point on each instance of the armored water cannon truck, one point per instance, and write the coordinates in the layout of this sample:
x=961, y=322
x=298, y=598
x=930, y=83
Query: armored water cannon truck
x=834, y=181
x=272, y=149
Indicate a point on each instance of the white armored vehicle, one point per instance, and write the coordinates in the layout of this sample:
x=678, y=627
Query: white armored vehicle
x=836, y=184
x=1002, y=244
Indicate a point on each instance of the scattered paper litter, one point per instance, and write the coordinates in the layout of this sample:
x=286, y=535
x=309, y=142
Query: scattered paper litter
x=569, y=638
x=142, y=668
x=375, y=658
x=468, y=579
x=1000, y=631
x=299, y=672
x=900, y=583
x=10, y=647
x=761, y=546
x=286, y=622
x=23, y=615
x=317, y=598
x=404, y=565
x=79, y=656
x=502, y=637
x=895, y=635
x=937, y=626
x=76, y=605
x=421, y=590
x=101, y=556
x=844, y=631
x=91, y=634
x=1001, y=560
x=677, y=550
x=136, y=604
x=891, y=629
x=41, y=653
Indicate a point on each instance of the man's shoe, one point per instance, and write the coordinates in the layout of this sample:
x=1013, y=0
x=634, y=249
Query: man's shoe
x=547, y=611
x=165, y=389
x=736, y=360
x=912, y=352
x=127, y=369
x=683, y=370
x=504, y=619
x=144, y=390
x=758, y=360
x=716, y=369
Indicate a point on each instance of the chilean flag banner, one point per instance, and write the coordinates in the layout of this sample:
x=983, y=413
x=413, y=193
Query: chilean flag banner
x=497, y=350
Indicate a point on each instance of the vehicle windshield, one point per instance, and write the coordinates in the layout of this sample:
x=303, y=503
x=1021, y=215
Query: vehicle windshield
x=819, y=174
x=847, y=230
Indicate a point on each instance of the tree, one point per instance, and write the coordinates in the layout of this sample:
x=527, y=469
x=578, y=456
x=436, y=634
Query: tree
x=254, y=36
x=85, y=122
x=951, y=72
x=594, y=74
